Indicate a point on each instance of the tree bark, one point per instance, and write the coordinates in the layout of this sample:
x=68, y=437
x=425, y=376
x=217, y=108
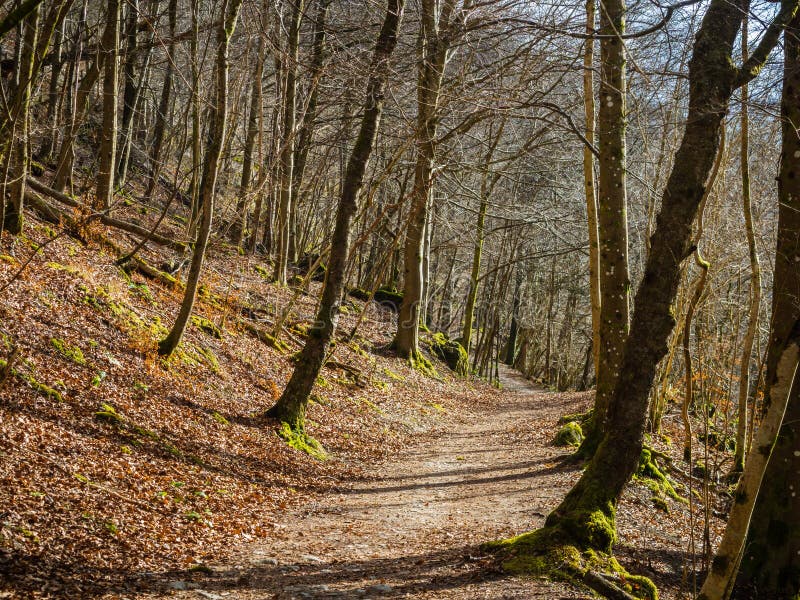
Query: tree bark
x=18, y=157
x=770, y=566
x=720, y=579
x=163, y=104
x=755, y=271
x=589, y=182
x=109, y=47
x=254, y=124
x=286, y=161
x=612, y=219
x=435, y=37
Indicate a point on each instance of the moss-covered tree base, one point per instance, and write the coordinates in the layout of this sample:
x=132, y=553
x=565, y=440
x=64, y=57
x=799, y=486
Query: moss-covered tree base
x=300, y=440
x=552, y=553
x=570, y=434
x=421, y=364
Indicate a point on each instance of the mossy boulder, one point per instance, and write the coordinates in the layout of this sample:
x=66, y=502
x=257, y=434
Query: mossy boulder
x=451, y=352
x=570, y=434
x=389, y=298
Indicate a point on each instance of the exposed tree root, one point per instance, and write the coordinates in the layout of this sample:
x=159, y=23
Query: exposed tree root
x=552, y=553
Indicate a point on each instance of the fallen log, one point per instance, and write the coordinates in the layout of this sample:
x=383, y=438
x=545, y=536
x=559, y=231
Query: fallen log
x=109, y=220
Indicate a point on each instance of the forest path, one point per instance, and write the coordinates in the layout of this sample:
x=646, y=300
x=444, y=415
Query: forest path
x=413, y=530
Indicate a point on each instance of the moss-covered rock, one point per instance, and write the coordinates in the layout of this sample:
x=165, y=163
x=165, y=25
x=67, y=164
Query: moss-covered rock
x=389, y=298
x=451, y=352
x=570, y=434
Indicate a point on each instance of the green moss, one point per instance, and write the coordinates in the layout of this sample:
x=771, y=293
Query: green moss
x=207, y=326
x=66, y=268
x=451, y=352
x=388, y=297
x=107, y=412
x=72, y=353
x=422, y=365
x=649, y=473
x=42, y=388
x=209, y=358
x=262, y=271
x=219, y=418
x=142, y=290
x=371, y=405
x=552, y=553
x=570, y=434
x=273, y=342
x=299, y=440
x=393, y=376
x=299, y=329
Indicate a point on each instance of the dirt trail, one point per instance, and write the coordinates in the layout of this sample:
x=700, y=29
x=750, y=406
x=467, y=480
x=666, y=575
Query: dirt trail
x=412, y=531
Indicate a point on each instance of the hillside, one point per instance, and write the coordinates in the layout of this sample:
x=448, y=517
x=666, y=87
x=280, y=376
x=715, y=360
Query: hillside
x=118, y=462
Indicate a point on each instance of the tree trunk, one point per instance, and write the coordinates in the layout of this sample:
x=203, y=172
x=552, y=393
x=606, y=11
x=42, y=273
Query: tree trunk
x=305, y=135
x=164, y=103
x=106, y=169
x=612, y=218
x=286, y=161
x=755, y=281
x=197, y=131
x=18, y=157
x=434, y=42
x=228, y=17
x=770, y=565
x=511, y=344
x=254, y=123
x=66, y=155
x=588, y=182
x=720, y=579
x=291, y=406
x=53, y=97
x=130, y=93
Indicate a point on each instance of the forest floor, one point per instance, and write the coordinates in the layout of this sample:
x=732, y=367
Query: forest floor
x=414, y=529
x=126, y=475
